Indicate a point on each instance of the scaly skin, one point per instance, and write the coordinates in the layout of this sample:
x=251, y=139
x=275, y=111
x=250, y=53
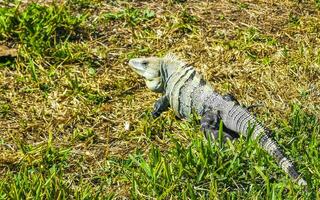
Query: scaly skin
x=185, y=91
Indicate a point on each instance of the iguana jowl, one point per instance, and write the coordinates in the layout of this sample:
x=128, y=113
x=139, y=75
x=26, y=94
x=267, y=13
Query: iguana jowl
x=185, y=91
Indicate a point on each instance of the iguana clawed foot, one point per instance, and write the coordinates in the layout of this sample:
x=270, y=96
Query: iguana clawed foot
x=160, y=106
x=230, y=97
x=210, y=123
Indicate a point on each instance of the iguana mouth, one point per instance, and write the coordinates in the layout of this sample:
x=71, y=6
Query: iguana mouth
x=136, y=67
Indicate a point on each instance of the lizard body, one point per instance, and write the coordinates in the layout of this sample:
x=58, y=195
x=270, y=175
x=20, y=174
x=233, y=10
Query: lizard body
x=185, y=91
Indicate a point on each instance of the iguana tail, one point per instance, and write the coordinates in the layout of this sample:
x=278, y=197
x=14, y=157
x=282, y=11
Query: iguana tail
x=239, y=119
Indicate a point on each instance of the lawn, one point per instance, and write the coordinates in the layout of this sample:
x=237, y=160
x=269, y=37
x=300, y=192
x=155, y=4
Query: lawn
x=75, y=120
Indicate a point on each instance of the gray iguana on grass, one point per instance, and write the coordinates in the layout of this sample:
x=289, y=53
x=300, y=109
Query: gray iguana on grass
x=185, y=91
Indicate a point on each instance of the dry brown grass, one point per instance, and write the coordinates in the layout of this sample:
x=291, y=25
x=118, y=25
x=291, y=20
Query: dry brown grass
x=263, y=52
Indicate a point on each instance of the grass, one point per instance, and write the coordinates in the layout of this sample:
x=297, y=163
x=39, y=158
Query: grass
x=75, y=121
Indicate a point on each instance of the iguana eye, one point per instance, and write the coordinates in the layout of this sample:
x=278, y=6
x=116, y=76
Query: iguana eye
x=144, y=63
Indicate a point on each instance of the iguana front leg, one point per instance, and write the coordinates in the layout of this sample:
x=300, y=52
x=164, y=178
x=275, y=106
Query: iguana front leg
x=210, y=123
x=160, y=106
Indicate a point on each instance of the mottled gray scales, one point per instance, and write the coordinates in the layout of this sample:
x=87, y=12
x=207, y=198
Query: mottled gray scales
x=177, y=82
x=185, y=90
x=200, y=95
x=270, y=145
x=242, y=121
x=185, y=96
x=179, y=88
x=188, y=95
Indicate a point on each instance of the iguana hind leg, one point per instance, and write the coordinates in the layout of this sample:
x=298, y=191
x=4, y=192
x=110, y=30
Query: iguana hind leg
x=230, y=97
x=160, y=106
x=210, y=123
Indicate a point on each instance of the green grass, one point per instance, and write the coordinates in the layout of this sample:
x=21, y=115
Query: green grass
x=40, y=29
x=76, y=123
x=204, y=170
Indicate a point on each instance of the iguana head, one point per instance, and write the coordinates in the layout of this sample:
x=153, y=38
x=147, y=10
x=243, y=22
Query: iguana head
x=156, y=70
x=149, y=68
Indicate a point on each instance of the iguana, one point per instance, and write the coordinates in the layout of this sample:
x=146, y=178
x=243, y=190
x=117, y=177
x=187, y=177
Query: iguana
x=186, y=91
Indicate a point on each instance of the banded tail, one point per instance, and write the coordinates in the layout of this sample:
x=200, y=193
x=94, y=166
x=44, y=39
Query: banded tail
x=239, y=119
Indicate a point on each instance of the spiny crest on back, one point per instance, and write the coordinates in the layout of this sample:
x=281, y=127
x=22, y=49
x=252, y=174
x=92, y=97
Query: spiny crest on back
x=171, y=58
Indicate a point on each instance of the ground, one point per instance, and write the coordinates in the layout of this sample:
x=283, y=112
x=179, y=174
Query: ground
x=75, y=121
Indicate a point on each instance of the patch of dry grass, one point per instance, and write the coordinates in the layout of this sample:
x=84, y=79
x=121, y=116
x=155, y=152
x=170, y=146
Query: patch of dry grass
x=79, y=89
